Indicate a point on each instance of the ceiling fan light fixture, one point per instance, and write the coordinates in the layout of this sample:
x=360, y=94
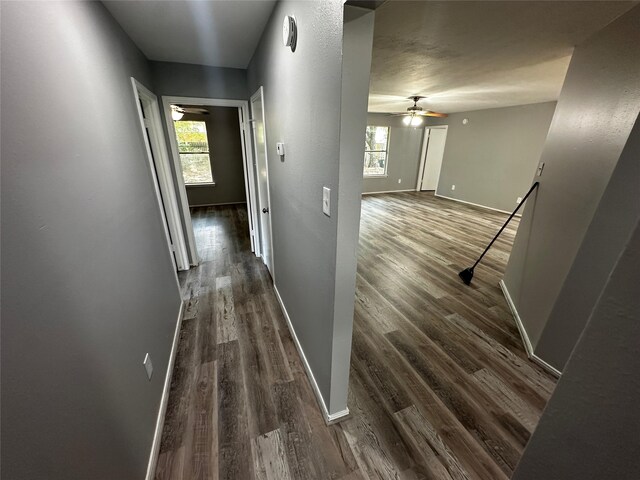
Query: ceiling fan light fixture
x=414, y=115
x=176, y=114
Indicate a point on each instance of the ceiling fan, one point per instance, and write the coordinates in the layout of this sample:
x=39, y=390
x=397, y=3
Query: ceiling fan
x=177, y=111
x=413, y=115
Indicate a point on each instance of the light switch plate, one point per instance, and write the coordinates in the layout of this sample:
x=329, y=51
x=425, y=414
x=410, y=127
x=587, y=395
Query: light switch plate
x=148, y=366
x=280, y=148
x=540, y=167
x=326, y=201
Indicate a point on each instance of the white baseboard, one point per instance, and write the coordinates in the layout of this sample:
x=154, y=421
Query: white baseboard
x=331, y=418
x=477, y=205
x=328, y=417
x=549, y=368
x=155, y=446
x=216, y=204
x=525, y=337
x=389, y=191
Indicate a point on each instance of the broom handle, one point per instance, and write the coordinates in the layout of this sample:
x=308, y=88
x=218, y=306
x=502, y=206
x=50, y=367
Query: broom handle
x=533, y=187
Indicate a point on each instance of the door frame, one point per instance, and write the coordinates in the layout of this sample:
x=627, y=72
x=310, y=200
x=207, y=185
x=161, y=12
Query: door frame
x=161, y=173
x=260, y=93
x=247, y=163
x=423, y=154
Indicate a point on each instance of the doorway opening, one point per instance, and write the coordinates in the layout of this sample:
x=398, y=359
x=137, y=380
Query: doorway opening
x=213, y=160
x=433, y=144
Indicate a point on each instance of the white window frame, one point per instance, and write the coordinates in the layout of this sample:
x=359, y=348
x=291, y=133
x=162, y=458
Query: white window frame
x=386, y=153
x=212, y=183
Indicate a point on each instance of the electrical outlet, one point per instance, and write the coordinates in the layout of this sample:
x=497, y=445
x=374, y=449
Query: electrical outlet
x=453, y=187
x=399, y=180
x=148, y=366
x=519, y=200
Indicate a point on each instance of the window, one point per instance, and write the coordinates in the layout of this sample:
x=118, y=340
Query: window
x=376, y=144
x=194, y=152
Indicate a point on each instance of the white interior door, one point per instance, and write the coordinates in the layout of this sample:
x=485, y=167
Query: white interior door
x=158, y=157
x=433, y=158
x=264, y=203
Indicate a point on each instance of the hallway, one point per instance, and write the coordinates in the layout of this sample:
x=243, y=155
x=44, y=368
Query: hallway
x=239, y=390
x=440, y=385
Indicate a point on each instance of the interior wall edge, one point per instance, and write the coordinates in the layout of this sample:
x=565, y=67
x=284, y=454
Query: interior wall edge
x=328, y=418
x=357, y=48
x=304, y=238
x=524, y=336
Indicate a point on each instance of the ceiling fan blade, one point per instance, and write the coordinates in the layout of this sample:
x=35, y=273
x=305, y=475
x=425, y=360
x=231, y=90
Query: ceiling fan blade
x=196, y=110
x=429, y=113
x=419, y=114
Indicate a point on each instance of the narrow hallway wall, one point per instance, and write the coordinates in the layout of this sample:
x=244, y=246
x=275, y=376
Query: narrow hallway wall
x=88, y=284
x=302, y=95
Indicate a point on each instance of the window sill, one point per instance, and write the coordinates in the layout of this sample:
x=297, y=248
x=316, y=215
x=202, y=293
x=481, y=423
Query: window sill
x=212, y=184
x=375, y=176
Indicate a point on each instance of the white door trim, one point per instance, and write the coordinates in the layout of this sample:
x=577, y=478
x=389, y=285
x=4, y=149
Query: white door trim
x=162, y=181
x=260, y=93
x=249, y=173
x=423, y=154
x=249, y=184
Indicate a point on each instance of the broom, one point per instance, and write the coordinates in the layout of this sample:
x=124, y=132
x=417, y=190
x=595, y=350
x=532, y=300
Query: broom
x=467, y=274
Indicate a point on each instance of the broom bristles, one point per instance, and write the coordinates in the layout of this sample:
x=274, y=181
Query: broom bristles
x=466, y=275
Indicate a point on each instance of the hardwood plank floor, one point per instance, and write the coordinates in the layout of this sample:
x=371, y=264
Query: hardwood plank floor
x=440, y=386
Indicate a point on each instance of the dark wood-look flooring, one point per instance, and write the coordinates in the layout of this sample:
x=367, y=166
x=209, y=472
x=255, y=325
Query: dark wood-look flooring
x=440, y=386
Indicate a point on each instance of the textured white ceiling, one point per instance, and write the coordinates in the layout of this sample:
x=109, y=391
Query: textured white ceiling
x=215, y=33
x=474, y=55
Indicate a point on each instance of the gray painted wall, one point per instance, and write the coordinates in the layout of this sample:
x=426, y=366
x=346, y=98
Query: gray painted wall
x=591, y=426
x=225, y=152
x=187, y=80
x=405, y=145
x=88, y=285
x=597, y=108
x=357, y=46
x=493, y=158
x=613, y=222
x=302, y=109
